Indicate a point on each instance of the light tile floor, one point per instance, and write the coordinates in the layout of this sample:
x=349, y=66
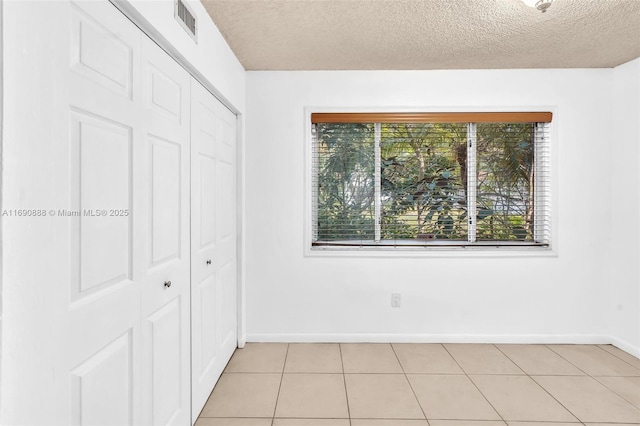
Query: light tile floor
x=317, y=384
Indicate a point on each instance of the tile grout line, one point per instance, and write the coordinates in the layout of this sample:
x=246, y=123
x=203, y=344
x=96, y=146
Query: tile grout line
x=474, y=383
x=616, y=393
x=293, y=373
x=587, y=375
x=275, y=407
x=578, y=421
x=620, y=358
x=561, y=356
x=539, y=385
x=594, y=376
x=409, y=382
x=344, y=381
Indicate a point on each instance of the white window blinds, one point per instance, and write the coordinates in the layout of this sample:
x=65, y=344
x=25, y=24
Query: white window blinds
x=431, y=179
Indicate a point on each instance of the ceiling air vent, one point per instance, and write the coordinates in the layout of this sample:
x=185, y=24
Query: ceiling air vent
x=186, y=18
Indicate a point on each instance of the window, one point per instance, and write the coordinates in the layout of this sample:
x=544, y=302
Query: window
x=430, y=179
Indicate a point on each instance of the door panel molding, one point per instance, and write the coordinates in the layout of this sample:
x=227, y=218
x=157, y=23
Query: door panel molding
x=213, y=242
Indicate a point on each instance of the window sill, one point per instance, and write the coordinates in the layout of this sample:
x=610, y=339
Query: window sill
x=454, y=249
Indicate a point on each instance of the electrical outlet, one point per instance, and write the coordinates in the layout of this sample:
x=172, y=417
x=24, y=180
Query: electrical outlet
x=395, y=300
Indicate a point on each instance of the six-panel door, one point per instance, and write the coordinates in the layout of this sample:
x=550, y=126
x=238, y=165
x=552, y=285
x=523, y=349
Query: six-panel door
x=165, y=281
x=130, y=128
x=213, y=241
x=105, y=260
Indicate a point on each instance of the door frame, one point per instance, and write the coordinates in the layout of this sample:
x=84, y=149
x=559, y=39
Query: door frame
x=150, y=31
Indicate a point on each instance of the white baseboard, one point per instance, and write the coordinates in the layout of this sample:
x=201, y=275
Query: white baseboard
x=625, y=346
x=437, y=338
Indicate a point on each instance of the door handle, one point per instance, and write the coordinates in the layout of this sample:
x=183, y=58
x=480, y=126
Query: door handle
x=167, y=284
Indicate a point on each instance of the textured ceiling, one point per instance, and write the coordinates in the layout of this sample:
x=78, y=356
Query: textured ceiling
x=427, y=34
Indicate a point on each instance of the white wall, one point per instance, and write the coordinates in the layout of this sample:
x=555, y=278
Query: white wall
x=624, y=255
x=456, y=298
x=31, y=330
x=35, y=263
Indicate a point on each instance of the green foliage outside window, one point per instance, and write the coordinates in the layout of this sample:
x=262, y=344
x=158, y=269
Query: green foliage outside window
x=346, y=161
x=423, y=181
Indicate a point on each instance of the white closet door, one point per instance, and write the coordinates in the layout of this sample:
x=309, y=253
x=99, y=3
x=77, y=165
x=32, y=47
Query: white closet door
x=213, y=241
x=166, y=275
x=123, y=326
x=104, y=332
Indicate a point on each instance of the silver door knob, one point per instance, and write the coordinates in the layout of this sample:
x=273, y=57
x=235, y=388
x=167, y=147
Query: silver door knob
x=167, y=284
x=209, y=262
